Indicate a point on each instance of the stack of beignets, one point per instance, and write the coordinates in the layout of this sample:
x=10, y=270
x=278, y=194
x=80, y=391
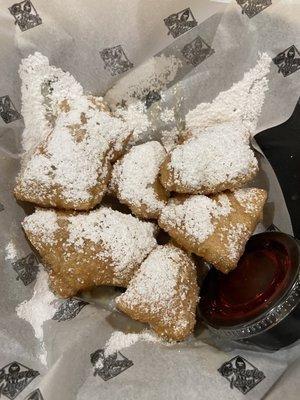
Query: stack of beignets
x=193, y=191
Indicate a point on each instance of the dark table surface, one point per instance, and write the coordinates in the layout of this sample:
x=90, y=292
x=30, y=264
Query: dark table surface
x=281, y=146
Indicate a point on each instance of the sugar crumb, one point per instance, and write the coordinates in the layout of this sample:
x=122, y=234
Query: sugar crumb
x=11, y=252
x=167, y=115
x=39, y=309
x=120, y=340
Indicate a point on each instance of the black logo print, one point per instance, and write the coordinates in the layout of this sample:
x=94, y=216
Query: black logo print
x=241, y=374
x=69, y=309
x=273, y=228
x=180, y=22
x=196, y=51
x=14, y=378
x=25, y=15
x=253, y=7
x=288, y=61
x=35, y=395
x=8, y=111
x=115, y=60
x=151, y=98
x=26, y=268
x=110, y=366
x=1, y=207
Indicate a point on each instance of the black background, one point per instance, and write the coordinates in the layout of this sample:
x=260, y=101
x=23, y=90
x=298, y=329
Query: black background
x=281, y=146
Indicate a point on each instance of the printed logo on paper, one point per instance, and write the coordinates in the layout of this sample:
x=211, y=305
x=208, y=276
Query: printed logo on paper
x=35, y=395
x=151, y=98
x=1, y=207
x=8, y=111
x=26, y=268
x=111, y=366
x=25, y=15
x=253, y=7
x=241, y=374
x=180, y=22
x=288, y=61
x=14, y=378
x=115, y=60
x=273, y=228
x=196, y=51
x=69, y=309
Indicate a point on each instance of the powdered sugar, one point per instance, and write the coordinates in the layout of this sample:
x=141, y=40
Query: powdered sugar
x=234, y=233
x=223, y=206
x=135, y=174
x=246, y=197
x=38, y=309
x=11, y=251
x=124, y=239
x=196, y=215
x=242, y=102
x=120, y=340
x=167, y=115
x=113, y=129
x=152, y=75
x=220, y=154
x=42, y=223
x=136, y=119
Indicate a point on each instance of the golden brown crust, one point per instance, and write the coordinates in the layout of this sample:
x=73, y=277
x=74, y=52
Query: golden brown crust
x=78, y=271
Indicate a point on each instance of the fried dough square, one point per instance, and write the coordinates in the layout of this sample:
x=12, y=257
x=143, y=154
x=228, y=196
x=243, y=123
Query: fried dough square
x=69, y=140
x=218, y=159
x=217, y=227
x=135, y=180
x=68, y=170
x=83, y=250
x=163, y=293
